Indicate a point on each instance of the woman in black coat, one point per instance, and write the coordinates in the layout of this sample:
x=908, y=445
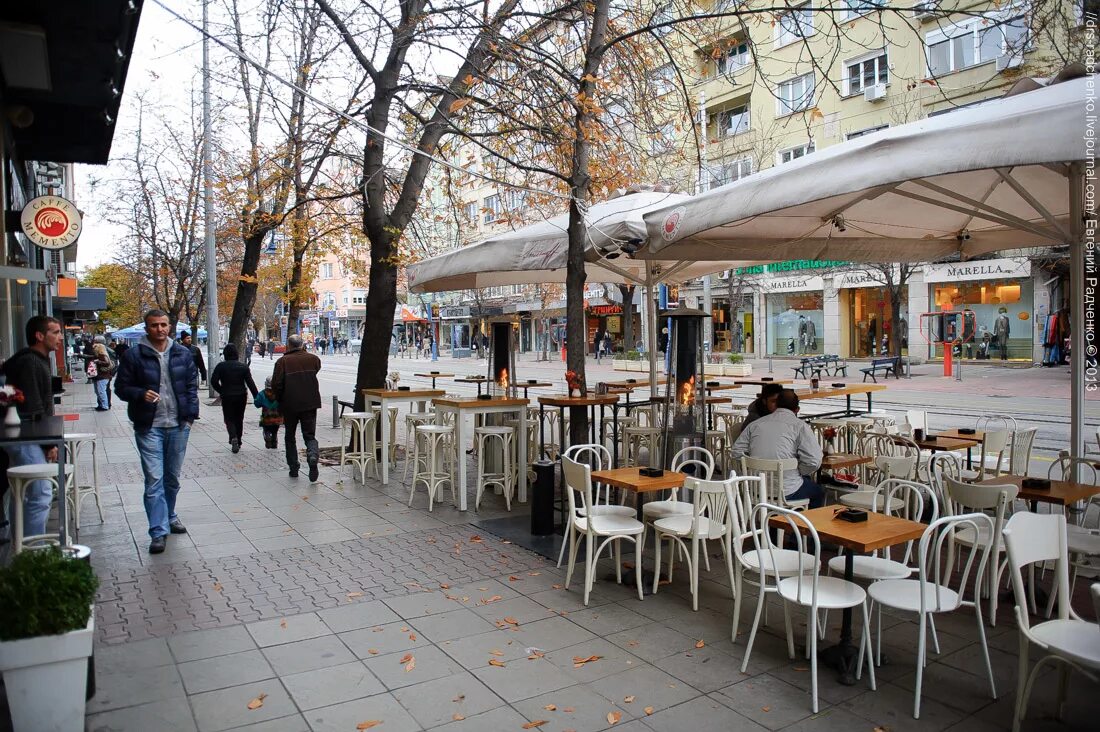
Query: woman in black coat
x=233, y=382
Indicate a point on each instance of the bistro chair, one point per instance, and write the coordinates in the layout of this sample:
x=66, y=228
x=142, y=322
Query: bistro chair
x=597, y=457
x=1083, y=538
x=773, y=470
x=930, y=593
x=992, y=458
x=1032, y=538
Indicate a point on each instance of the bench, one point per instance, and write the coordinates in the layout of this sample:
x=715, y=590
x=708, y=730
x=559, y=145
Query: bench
x=834, y=366
x=886, y=366
x=809, y=367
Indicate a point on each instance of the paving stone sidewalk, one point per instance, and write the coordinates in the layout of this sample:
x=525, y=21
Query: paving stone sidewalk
x=290, y=606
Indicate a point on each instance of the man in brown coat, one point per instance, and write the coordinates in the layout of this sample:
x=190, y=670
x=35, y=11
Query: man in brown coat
x=299, y=395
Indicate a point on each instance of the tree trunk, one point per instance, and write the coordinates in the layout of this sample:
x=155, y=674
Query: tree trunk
x=895, y=321
x=627, y=292
x=246, y=289
x=374, y=353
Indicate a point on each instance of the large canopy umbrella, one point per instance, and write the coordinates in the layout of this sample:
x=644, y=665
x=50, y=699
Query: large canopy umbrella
x=537, y=254
x=1004, y=174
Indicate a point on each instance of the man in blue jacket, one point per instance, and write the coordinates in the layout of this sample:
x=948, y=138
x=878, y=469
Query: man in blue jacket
x=160, y=382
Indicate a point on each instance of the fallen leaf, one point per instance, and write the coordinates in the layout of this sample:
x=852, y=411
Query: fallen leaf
x=881, y=729
x=372, y=651
x=513, y=578
x=699, y=643
x=551, y=707
x=283, y=624
x=533, y=574
x=444, y=586
x=648, y=711
x=404, y=629
x=406, y=658
x=632, y=643
x=496, y=652
x=511, y=621
x=412, y=637
x=217, y=587
x=536, y=723
x=475, y=539
x=802, y=668
x=765, y=709
x=536, y=654
x=614, y=717
x=505, y=542
x=368, y=724
x=355, y=594
x=628, y=699
x=494, y=662
x=457, y=717
x=569, y=710
x=556, y=587
x=410, y=665
x=257, y=702
x=579, y=661
x=494, y=598
x=459, y=698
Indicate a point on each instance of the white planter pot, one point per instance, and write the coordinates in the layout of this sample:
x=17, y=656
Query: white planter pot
x=737, y=369
x=619, y=364
x=46, y=678
x=712, y=369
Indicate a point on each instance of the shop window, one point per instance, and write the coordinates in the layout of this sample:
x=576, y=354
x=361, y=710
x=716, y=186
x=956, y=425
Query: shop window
x=872, y=329
x=796, y=323
x=1002, y=316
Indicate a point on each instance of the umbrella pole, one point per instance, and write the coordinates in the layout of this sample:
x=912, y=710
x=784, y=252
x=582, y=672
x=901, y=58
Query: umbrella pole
x=1077, y=312
x=651, y=313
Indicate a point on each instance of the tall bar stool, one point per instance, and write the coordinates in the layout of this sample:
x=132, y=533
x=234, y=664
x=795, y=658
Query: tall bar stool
x=412, y=421
x=505, y=477
x=639, y=436
x=393, y=436
x=75, y=442
x=433, y=459
x=357, y=429
x=608, y=426
x=18, y=478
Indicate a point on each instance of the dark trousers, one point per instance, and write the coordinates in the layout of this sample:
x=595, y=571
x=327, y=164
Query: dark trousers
x=811, y=490
x=233, y=414
x=271, y=435
x=308, y=421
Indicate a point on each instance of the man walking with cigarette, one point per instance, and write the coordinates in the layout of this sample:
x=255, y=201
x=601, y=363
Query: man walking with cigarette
x=160, y=382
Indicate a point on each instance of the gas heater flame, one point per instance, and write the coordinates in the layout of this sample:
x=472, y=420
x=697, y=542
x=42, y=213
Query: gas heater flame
x=503, y=382
x=687, y=392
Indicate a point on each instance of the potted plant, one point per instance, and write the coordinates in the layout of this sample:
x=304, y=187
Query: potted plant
x=634, y=361
x=712, y=367
x=46, y=629
x=736, y=366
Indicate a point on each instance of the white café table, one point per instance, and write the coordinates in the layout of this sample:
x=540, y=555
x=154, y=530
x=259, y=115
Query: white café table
x=386, y=398
x=462, y=406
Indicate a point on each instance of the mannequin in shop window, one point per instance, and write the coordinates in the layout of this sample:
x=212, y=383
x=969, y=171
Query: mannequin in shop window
x=1001, y=327
x=968, y=336
x=872, y=329
x=807, y=335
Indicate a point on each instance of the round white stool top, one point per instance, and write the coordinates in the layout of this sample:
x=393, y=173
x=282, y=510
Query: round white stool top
x=37, y=470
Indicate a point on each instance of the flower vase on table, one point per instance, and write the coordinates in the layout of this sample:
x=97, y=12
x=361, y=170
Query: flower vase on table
x=574, y=383
x=9, y=397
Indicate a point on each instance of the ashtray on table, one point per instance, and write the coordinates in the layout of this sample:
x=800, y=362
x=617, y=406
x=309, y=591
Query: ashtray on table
x=532, y=381
x=838, y=385
x=967, y=431
x=651, y=472
x=484, y=396
x=402, y=388
x=1035, y=484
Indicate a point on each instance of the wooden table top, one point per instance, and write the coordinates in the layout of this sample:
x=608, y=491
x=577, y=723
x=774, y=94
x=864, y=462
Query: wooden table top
x=761, y=382
x=945, y=443
x=474, y=402
x=564, y=400
x=629, y=383
x=709, y=399
x=531, y=384
x=836, y=460
x=720, y=386
x=1062, y=492
x=954, y=432
x=437, y=375
x=877, y=532
x=472, y=379
x=831, y=391
x=632, y=480
x=403, y=393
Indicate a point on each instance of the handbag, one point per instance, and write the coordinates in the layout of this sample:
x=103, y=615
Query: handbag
x=91, y=370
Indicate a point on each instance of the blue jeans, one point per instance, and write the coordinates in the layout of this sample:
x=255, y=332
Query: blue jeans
x=811, y=490
x=38, y=494
x=162, y=450
x=101, y=386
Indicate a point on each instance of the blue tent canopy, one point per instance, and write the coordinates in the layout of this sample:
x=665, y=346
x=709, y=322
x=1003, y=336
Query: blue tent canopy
x=138, y=330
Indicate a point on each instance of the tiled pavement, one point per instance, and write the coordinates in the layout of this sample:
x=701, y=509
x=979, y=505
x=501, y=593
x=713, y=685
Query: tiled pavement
x=336, y=606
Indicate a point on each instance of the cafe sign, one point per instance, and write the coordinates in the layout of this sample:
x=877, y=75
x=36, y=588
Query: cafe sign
x=792, y=284
x=600, y=311
x=982, y=269
x=51, y=222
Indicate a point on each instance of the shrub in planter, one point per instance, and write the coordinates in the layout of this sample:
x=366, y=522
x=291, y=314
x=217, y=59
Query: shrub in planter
x=736, y=366
x=46, y=629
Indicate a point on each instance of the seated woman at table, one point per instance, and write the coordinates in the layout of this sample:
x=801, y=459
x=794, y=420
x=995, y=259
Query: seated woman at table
x=764, y=404
x=781, y=435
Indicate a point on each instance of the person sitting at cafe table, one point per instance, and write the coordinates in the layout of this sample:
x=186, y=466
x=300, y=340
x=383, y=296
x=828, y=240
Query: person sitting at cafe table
x=781, y=435
x=764, y=404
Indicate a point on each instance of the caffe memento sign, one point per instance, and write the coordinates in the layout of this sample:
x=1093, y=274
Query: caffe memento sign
x=51, y=222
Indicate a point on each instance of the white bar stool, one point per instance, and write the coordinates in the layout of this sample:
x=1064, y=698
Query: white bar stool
x=18, y=478
x=373, y=408
x=505, y=477
x=637, y=437
x=434, y=466
x=74, y=446
x=412, y=421
x=357, y=429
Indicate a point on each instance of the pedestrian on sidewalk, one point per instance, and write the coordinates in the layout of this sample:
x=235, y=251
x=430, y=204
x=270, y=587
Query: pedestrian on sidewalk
x=299, y=395
x=28, y=370
x=271, y=349
x=270, y=416
x=159, y=380
x=196, y=353
x=104, y=372
x=233, y=382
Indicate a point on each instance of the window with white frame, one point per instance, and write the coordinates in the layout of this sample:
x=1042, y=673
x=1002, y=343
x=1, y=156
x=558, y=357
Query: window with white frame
x=662, y=139
x=732, y=59
x=794, y=25
x=974, y=41
x=492, y=208
x=663, y=79
x=326, y=270
x=796, y=152
x=732, y=121
x=515, y=200
x=858, y=8
x=469, y=212
x=730, y=171
x=664, y=14
x=359, y=298
x=795, y=95
x=866, y=71
x=861, y=133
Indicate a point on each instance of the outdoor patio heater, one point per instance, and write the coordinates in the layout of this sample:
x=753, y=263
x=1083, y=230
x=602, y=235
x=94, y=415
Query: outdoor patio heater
x=502, y=360
x=685, y=416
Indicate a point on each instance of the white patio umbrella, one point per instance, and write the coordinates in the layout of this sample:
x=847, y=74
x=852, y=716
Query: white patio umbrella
x=537, y=254
x=1005, y=174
